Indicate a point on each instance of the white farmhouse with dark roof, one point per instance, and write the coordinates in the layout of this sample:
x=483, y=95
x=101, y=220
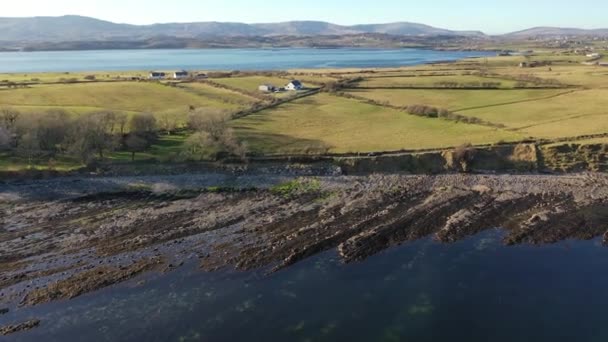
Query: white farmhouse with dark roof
x=155, y=75
x=180, y=74
x=294, y=85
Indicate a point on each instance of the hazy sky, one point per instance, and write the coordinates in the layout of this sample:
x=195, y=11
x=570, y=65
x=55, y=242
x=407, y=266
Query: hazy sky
x=489, y=16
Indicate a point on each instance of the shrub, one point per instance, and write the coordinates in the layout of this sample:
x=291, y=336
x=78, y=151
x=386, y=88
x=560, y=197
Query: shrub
x=464, y=155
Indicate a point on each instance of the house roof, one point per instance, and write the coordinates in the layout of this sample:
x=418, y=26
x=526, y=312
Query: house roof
x=296, y=83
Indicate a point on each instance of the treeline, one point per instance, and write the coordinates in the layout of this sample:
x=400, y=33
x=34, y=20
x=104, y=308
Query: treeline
x=91, y=137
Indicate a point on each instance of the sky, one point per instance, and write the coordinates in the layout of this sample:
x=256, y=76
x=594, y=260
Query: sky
x=492, y=17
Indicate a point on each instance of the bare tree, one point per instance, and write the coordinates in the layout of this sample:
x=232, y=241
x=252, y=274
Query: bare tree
x=143, y=123
x=121, y=121
x=212, y=134
x=5, y=138
x=197, y=145
x=89, y=135
x=52, y=129
x=8, y=117
x=167, y=123
x=28, y=147
x=135, y=143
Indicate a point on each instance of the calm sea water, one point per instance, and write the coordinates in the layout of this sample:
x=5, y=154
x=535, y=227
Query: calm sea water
x=473, y=290
x=221, y=59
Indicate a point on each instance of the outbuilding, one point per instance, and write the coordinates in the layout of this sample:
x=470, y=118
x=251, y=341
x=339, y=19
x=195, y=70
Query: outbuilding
x=267, y=88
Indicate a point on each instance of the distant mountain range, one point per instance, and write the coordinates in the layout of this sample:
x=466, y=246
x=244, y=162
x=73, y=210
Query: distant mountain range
x=85, y=29
x=557, y=31
x=78, y=28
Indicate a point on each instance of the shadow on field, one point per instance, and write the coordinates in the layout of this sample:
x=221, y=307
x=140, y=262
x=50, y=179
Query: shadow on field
x=273, y=143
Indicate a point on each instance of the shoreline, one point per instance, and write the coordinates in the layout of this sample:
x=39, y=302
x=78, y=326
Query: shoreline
x=130, y=227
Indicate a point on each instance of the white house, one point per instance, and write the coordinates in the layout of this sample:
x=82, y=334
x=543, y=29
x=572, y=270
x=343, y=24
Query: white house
x=267, y=88
x=594, y=55
x=155, y=75
x=180, y=74
x=294, y=85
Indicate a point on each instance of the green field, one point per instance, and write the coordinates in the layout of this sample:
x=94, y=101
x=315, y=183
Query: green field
x=341, y=125
x=216, y=94
x=430, y=81
x=576, y=113
x=53, y=77
x=118, y=96
x=454, y=100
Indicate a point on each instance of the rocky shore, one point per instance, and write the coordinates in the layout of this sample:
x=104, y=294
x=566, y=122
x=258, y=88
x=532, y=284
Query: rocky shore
x=63, y=238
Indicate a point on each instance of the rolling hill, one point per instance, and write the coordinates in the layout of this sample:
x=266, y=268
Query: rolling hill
x=78, y=28
x=556, y=31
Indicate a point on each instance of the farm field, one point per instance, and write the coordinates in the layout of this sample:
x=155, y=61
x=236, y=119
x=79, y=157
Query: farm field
x=53, y=77
x=454, y=99
x=339, y=125
x=216, y=94
x=118, y=96
x=431, y=81
x=576, y=113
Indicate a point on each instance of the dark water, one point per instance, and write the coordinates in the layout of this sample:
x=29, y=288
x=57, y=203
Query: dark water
x=474, y=290
x=221, y=59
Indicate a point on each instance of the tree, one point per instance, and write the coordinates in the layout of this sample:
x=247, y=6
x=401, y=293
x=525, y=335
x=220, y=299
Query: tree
x=212, y=134
x=134, y=143
x=167, y=123
x=196, y=146
x=28, y=147
x=121, y=121
x=143, y=123
x=89, y=135
x=464, y=155
x=108, y=120
x=8, y=117
x=52, y=129
x=5, y=138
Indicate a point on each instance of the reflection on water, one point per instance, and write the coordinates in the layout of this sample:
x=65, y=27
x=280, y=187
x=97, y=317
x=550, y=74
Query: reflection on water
x=473, y=290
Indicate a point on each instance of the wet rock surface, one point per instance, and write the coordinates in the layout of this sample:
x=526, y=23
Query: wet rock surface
x=11, y=329
x=56, y=247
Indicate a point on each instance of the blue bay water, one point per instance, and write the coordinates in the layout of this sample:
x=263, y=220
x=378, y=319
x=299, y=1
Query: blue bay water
x=222, y=59
x=475, y=290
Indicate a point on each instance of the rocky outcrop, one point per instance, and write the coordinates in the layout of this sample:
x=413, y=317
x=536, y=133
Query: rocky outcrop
x=62, y=248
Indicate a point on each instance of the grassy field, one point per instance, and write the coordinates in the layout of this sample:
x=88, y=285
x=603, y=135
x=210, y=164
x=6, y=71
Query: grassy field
x=216, y=94
x=430, y=81
x=454, y=100
x=576, y=113
x=52, y=77
x=12, y=163
x=341, y=125
x=119, y=96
